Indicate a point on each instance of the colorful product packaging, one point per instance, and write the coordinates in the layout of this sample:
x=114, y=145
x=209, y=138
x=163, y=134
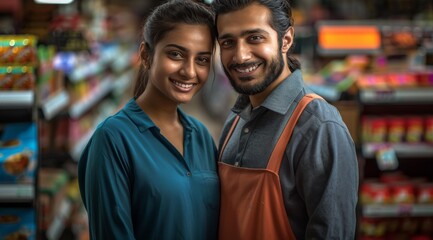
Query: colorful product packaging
x=18, y=152
x=425, y=193
x=18, y=49
x=17, y=223
x=402, y=192
x=415, y=129
x=17, y=78
x=428, y=132
x=375, y=193
x=396, y=130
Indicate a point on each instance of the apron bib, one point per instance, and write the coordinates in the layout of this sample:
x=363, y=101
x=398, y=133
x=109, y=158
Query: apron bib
x=252, y=205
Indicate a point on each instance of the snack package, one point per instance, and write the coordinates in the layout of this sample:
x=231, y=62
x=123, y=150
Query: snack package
x=18, y=49
x=17, y=78
x=18, y=152
x=17, y=223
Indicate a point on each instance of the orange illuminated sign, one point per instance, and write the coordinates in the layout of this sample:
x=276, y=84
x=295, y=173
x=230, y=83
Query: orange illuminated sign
x=349, y=37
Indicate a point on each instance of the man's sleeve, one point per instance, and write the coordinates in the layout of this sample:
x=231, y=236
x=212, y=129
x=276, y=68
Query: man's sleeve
x=327, y=179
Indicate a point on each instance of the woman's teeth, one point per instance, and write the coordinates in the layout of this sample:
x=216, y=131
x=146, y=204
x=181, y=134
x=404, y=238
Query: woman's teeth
x=183, y=85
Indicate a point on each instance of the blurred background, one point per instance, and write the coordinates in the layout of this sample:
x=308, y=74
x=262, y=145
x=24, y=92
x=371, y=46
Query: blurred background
x=67, y=65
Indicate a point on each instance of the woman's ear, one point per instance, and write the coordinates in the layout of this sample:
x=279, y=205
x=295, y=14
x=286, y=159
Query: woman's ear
x=288, y=40
x=144, y=55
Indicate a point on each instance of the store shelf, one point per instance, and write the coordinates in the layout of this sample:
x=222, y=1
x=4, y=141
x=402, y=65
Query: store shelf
x=11, y=99
x=78, y=109
x=397, y=210
x=84, y=71
x=401, y=149
x=78, y=148
x=57, y=227
x=54, y=105
x=403, y=95
x=121, y=84
x=17, y=192
x=330, y=93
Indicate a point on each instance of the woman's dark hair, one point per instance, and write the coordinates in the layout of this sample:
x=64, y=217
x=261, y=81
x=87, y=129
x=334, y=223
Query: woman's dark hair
x=163, y=19
x=281, y=18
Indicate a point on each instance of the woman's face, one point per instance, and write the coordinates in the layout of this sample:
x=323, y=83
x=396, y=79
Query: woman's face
x=180, y=63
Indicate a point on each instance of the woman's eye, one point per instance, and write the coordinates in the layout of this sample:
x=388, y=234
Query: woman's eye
x=175, y=54
x=203, y=60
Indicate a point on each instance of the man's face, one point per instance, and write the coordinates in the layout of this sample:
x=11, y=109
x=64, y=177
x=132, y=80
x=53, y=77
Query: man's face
x=250, y=53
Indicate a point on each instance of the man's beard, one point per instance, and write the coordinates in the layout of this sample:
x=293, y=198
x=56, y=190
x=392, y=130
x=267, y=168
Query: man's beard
x=275, y=69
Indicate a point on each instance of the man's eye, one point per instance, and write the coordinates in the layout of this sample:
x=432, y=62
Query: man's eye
x=226, y=43
x=256, y=38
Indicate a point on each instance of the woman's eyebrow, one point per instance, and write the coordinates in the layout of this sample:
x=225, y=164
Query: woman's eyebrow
x=185, y=49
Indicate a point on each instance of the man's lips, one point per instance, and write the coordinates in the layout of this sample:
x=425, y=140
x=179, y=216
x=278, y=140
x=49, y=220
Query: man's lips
x=245, y=69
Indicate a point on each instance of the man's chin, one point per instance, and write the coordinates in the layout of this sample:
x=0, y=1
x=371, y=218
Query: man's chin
x=245, y=89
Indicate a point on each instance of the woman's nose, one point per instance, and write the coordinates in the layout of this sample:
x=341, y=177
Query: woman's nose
x=188, y=70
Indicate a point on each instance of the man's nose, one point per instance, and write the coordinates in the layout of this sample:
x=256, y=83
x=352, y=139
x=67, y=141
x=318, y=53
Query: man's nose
x=242, y=54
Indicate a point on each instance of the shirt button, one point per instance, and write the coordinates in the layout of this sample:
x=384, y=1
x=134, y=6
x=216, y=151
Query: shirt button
x=246, y=130
x=188, y=174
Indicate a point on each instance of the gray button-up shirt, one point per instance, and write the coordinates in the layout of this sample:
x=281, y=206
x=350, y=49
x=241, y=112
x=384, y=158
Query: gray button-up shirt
x=319, y=172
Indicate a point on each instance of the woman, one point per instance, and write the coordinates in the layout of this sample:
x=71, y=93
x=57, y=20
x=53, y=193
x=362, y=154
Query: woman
x=149, y=171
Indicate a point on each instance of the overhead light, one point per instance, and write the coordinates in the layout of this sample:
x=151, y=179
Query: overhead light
x=54, y=1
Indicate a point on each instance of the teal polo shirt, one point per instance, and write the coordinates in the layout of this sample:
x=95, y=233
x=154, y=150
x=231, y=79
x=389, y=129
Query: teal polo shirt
x=136, y=185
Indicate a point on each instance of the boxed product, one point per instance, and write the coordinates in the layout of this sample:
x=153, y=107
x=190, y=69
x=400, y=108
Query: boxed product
x=17, y=223
x=18, y=152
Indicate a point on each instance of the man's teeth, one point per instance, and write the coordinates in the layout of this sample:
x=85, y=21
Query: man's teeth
x=247, y=70
x=183, y=85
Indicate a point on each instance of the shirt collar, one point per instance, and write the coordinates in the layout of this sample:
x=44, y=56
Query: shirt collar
x=280, y=99
x=143, y=121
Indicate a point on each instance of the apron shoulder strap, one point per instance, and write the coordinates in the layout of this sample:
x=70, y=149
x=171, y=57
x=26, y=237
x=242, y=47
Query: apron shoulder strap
x=277, y=154
x=229, y=134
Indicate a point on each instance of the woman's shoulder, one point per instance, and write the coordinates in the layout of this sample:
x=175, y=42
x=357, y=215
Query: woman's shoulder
x=113, y=124
x=195, y=123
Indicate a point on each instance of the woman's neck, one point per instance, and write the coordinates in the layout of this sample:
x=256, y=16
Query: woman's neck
x=159, y=110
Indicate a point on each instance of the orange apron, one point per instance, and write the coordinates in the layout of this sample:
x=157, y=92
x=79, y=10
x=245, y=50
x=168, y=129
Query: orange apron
x=252, y=205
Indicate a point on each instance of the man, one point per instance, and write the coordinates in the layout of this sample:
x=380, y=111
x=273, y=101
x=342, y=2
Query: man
x=307, y=186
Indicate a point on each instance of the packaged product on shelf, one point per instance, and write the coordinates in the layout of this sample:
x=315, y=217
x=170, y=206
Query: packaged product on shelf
x=402, y=192
x=428, y=132
x=374, y=129
x=16, y=78
x=18, y=49
x=396, y=129
x=372, y=227
x=17, y=223
x=425, y=193
x=373, y=192
x=415, y=129
x=49, y=80
x=18, y=152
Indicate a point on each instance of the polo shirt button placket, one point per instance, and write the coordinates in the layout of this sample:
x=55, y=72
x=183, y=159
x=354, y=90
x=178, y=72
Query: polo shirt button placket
x=246, y=130
x=188, y=174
